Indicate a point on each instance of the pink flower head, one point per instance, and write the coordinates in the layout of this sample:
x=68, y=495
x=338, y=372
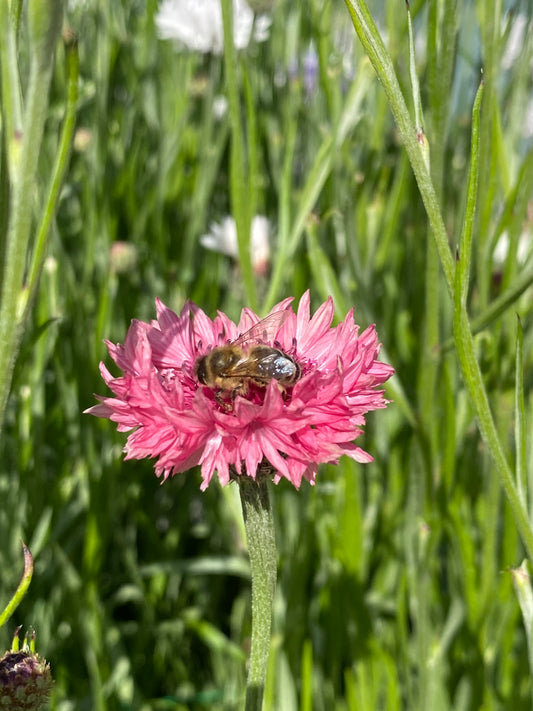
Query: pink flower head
x=294, y=396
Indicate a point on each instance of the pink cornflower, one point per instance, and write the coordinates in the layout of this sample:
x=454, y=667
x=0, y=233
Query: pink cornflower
x=247, y=424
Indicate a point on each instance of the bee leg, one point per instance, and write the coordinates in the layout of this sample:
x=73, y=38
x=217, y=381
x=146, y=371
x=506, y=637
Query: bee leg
x=241, y=389
x=223, y=401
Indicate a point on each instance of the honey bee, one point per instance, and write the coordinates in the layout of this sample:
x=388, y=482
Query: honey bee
x=231, y=369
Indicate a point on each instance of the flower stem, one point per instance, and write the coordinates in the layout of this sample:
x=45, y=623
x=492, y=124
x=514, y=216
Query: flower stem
x=456, y=280
x=373, y=44
x=239, y=175
x=259, y=525
x=61, y=163
x=22, y=588
x=25, y=130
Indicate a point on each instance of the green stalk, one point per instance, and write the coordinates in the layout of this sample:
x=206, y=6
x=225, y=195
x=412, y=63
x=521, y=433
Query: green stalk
x=463, y=270
x=490, y=168
x=502, y=302
x=429, y=364
x=316, y=179
x=419, y=481
x=259, y=525
x=371, y=40
x=472, y=376
x=16, y=14
x=239, y=178
x=22, y=588
x=10, y=85
x=58, y=171
x=457, y=284
x=520, y=420
x=464, y=343
x=440, y=53
x=44, y=28
x=499, y=305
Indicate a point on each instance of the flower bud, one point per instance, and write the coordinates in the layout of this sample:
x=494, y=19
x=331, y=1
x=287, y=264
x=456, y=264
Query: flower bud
x=123, y=257
x=25, y=679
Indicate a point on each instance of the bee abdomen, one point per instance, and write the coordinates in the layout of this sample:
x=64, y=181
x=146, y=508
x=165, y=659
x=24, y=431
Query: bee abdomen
x=278, y=365
x=201, y=370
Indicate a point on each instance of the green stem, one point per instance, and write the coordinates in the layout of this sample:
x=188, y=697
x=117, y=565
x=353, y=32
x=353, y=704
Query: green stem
x=259, y=525
x=464, y=343
x=58, y=171
x=16, y=14
x=472, y=375
x=371, y=40
x=316, y=179
x=239, y=175
x=520, y=420
x=44, y=28
x=23, y=586
x=457, y=283
x=498, y=306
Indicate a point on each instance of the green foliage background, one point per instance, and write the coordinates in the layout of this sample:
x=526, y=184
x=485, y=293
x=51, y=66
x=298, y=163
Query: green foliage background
x=395, y=590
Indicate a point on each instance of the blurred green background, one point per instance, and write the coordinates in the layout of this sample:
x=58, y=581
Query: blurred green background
x=394, y=590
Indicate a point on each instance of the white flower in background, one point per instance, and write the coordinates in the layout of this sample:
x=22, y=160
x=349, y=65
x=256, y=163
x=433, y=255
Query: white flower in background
x=515, y=42
x=223, y=238
x=198, y=24
x=501, y=251
x=220, y=107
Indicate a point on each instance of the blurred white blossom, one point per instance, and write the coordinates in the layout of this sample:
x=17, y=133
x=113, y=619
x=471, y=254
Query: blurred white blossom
x=198, y=24
x=220, y=107
x=223, y=238
x=501, y=251
x=515, y=41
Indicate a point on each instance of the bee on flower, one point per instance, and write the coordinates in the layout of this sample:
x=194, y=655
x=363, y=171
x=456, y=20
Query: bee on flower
x=288, y=392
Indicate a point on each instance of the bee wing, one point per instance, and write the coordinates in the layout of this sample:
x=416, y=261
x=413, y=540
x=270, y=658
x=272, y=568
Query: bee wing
x=264, y=331
x=260, y=363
